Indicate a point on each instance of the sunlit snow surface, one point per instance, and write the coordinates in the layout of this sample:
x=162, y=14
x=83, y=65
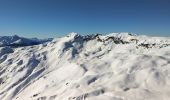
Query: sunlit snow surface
x=112, y=67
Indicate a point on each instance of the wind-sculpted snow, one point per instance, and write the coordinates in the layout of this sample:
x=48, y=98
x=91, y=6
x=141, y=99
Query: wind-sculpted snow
x=93, y=67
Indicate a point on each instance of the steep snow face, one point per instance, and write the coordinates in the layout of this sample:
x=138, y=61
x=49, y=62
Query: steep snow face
x=16, y=41
x=112, y=67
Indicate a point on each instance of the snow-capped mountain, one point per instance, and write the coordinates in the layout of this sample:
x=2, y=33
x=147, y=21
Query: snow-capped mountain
x=118, y=66
x=20, y=41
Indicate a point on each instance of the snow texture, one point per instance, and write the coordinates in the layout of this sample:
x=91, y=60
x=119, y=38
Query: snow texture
x=117, y=66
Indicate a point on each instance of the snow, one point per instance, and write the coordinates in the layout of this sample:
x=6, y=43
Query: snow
x=117, y=66
x=16, y=41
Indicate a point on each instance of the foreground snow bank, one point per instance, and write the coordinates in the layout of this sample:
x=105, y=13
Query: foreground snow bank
x=112, y=67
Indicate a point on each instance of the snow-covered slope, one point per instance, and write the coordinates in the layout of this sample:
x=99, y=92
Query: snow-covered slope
x=112, y=67
x=16, y=41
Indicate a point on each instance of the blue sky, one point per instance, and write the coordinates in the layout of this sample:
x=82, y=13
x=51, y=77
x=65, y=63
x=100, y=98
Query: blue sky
x=53, y=18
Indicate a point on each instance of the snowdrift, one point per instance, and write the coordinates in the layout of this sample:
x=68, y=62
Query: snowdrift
x=118, y=66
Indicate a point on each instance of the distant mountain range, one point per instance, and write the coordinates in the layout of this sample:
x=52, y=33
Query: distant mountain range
x=16, y=41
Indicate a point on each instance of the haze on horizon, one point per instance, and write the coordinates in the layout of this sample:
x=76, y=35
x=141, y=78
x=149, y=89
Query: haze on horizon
x=51, y=18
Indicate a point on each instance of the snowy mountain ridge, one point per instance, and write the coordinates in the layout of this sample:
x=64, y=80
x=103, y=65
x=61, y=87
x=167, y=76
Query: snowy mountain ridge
x=118, y=66
x=127, y=38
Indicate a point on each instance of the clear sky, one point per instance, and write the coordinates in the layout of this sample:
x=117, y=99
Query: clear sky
x=52, y=18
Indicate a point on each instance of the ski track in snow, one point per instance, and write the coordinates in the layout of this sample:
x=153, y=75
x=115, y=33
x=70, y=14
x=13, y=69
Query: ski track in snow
x=112, y=67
